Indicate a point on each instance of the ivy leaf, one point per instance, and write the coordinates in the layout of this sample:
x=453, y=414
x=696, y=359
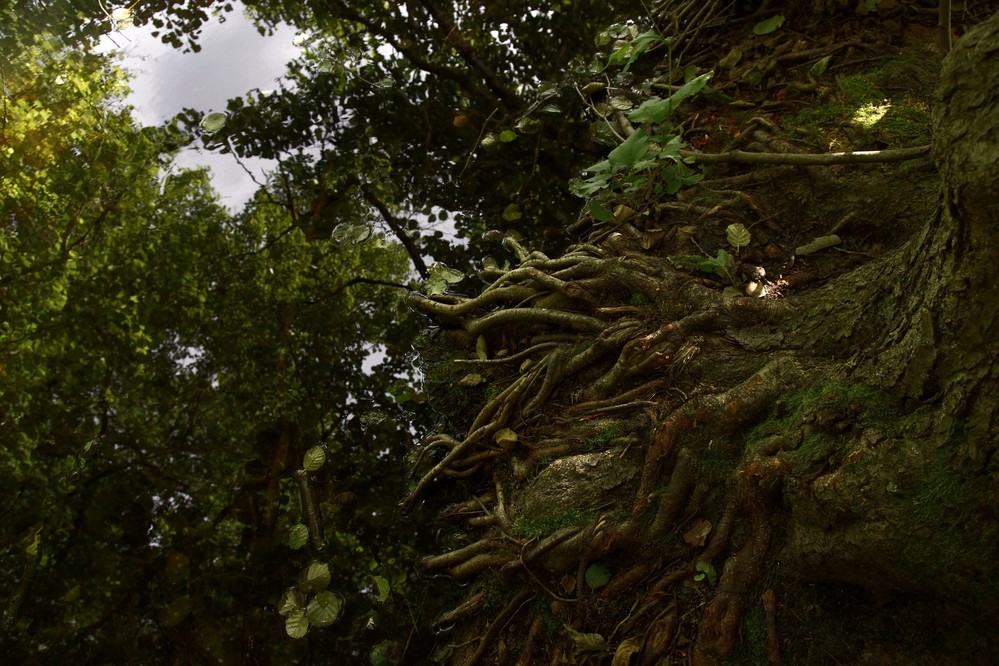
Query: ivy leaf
x=634, y=148
x=600, y=213
x=656, y=110
x=354, y=233
x=819, y=68
x=440, y=277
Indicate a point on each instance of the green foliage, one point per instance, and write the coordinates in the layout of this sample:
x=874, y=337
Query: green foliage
x=722, y=264
x=643, y=164
x=705, y=571
x=628, y=44
x=162, y=362
x=607, y=434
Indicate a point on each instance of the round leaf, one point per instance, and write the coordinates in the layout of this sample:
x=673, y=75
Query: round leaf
x=506, y=136
x=597, y=575
x=213, y=122
x=324, y=609
x=296, y=624
x=313, y=459
x=738, y=235
x=512, y=213
x=316, y=577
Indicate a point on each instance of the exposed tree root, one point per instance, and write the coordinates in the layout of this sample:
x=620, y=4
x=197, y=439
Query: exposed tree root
x=601, y=361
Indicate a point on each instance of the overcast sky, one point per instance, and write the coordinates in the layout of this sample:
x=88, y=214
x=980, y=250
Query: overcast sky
x=233, y=60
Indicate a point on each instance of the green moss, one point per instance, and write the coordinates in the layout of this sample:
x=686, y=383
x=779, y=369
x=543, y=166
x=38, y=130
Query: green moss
x=906, y=124
x=716, y=462
x=942, y=497
x=751, y=651
x=856, y=404
x=868, y=101
x=536, y=527
x=608, y=433
x=814, y=448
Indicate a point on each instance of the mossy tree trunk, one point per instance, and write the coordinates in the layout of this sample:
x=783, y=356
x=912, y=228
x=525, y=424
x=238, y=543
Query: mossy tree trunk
x=662, y=471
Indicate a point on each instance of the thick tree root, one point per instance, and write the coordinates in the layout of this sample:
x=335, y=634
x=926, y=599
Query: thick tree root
x=610, y=364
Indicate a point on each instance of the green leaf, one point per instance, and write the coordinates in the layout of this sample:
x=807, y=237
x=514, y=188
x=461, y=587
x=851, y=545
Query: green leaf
x=324, y=609
x=657, y=110
x=349, y=232
x=313, y=459
x=769, y=25
x=528, y=125
x=213, y=122
x=506, y=136
x=706, y=571
x=296, y=624
x=737, y=235
x=590, y=186
x=597, y=575
x=292, y=600
x=298, y=536
x=316, y=577
x=512, y=213
x=600, y=213
x=819, y=68
x=634, y=148
x=481, y=348
x=383, y=587
x=440, y=277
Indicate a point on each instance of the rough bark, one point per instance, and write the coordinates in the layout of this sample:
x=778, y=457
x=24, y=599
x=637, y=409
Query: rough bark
x=718, y=456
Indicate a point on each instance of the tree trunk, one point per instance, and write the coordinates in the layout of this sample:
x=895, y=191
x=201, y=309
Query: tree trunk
x=672, y=474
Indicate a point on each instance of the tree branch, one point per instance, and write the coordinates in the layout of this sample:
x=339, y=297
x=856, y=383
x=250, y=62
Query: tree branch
x=809, y=159
x=453, y=37
x=395, y=224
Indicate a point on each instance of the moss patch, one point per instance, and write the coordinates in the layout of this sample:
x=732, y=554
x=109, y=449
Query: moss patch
x=535, y=527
